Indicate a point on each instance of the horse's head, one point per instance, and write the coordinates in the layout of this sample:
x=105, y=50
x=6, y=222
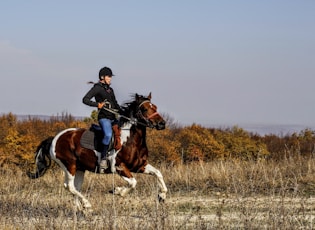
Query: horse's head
x=147, y=112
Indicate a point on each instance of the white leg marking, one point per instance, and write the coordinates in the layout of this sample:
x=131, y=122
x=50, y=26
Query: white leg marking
x=149, y=169
x=131, y=181
x=123, y=191
x=74, y=191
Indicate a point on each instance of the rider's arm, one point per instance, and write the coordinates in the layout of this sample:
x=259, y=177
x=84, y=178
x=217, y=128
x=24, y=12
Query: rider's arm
x=87, y=99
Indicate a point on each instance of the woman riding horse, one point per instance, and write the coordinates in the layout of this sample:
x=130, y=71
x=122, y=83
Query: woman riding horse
x=105, y=97
x=66, y=150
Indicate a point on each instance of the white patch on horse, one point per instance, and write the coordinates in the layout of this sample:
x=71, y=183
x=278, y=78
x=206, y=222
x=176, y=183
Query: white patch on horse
x=125, y=132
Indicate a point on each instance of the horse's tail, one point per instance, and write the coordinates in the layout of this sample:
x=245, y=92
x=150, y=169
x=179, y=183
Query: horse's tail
x=42, y=159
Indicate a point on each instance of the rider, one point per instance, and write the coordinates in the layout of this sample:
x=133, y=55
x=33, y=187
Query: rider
x=105, y=98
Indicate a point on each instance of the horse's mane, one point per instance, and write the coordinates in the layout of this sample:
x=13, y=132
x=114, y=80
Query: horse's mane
x=129, y=108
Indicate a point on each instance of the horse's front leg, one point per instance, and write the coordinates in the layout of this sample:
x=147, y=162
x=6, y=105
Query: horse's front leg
x=149, y=169
x=127, y=176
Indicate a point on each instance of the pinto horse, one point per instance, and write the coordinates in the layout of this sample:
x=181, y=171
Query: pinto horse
x=66, y=150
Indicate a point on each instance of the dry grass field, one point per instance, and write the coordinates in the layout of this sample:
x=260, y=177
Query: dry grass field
x=215, y=195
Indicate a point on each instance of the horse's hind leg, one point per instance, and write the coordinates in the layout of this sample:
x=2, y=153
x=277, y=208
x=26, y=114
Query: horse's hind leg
x=74, y=183
x=66, y=182
x=149, y=169
x=78, y=181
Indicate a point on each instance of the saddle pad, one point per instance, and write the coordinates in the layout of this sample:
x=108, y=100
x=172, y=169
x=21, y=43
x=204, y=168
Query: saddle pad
x=87, y=140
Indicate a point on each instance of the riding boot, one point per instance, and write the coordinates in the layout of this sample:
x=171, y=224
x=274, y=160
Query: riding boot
x=103, y=163
x=117, y=143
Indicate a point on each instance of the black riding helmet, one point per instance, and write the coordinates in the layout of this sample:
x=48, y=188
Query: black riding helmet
x=105, y=71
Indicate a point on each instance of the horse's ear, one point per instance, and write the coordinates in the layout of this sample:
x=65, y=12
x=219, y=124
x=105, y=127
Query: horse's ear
x=137, y=96
x=150, y=96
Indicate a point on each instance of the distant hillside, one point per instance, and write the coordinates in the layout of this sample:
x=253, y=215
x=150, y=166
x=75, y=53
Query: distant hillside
x=42, y=117
x=265, y=129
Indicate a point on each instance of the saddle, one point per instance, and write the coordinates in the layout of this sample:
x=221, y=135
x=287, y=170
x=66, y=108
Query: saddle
x=92, y=138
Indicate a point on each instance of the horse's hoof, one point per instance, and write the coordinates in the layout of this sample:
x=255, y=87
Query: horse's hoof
x=162, y=197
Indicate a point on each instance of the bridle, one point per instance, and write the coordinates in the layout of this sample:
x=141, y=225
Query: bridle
x=139, y=115
x=146, y=118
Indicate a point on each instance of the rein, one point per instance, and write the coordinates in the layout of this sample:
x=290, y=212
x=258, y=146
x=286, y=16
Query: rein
x=132, y=120
x=139, y=113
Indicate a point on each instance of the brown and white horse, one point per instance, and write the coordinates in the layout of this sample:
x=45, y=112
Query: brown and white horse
x=66, y=150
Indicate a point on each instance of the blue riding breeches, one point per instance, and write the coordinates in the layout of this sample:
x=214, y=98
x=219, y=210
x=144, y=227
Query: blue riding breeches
x=106, y=125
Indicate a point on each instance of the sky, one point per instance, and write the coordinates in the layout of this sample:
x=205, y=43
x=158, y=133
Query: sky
x=205, y=61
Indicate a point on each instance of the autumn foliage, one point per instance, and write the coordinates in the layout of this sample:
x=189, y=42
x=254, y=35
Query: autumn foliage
x=174, y=145
x=19, y=139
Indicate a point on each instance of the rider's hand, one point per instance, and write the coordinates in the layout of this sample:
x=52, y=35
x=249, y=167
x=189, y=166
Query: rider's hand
x=100, y=105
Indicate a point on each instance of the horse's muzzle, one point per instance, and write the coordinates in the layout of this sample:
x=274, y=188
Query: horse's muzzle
x=160, y=125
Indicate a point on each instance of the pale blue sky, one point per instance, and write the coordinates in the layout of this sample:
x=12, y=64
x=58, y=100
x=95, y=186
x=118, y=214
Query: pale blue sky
x=205, y=62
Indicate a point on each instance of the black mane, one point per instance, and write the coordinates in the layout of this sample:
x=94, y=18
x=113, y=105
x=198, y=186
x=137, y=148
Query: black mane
x=130, y=108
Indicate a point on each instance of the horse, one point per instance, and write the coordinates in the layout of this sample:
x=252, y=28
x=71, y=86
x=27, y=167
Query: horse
x=67, y=151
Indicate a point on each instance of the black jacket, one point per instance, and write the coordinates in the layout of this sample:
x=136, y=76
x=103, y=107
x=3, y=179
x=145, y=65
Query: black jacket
x=102, y=92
